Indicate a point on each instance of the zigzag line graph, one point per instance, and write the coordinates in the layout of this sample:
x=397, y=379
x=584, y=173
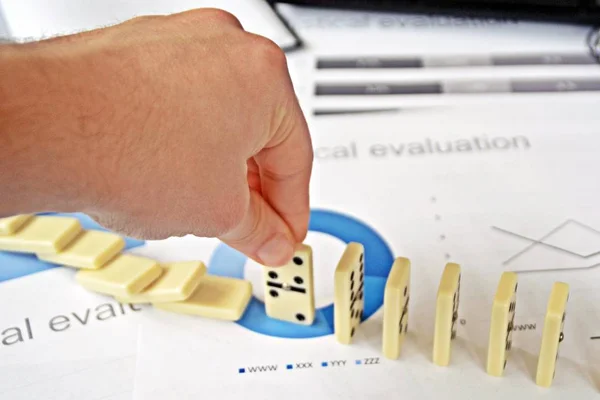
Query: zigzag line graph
x=542, y=242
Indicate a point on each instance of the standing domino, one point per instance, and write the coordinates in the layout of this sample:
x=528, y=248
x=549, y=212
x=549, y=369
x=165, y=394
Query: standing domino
x=552, y=334
x=446, y=314
x=395, y=308
x=501, y=327
x=349, y=283
x=289, y=290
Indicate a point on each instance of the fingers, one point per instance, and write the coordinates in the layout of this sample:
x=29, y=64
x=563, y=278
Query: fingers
x=285, y=169
x=262, y=234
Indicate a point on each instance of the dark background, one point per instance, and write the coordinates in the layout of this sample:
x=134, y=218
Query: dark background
x=567, y=11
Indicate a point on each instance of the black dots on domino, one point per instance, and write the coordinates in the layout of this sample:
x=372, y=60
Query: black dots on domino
x=273, y=275
x=274, y=293
x=298, y=260
x=300, y=317
x=298, y=280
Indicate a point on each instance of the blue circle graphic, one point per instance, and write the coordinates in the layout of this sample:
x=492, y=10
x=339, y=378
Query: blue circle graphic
x=378, y=261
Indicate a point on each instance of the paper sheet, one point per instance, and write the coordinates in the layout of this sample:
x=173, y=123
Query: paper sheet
x=381, y=61
x=38, y=19
x=59, y=341
x=477, y=186
x=334, y=32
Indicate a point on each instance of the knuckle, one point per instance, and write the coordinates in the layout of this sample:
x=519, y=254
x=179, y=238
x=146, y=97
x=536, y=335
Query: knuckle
x=269, y=53
x=213, y=14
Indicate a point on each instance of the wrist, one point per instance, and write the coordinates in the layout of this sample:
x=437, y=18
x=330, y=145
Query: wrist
x=43, y=163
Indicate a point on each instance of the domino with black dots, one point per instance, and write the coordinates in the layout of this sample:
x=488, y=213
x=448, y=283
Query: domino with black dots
x=289, y=290
x=446, y=314
x=395, y=308
x=553, y=334
x=502, y=323
x=349, y=288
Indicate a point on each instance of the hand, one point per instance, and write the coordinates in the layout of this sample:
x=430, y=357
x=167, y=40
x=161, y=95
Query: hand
x=175, y=125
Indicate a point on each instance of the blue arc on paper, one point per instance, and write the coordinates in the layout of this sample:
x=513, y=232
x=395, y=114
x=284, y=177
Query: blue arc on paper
x=14, y=265
x=378, y=262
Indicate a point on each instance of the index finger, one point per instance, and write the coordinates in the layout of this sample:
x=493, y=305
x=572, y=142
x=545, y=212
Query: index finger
x=285, y=165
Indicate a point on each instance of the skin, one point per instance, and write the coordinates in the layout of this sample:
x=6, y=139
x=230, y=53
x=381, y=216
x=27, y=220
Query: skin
x=160, y=126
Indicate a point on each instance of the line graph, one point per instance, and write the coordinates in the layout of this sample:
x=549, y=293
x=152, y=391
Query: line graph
x=571, y=237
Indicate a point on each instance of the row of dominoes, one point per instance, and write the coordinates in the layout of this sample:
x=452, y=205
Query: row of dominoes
x=289, y=296
x=446, y=316
x=289, y=290
x=182, y=287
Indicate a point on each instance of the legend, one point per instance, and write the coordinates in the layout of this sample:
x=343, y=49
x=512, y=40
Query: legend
x=310, y=365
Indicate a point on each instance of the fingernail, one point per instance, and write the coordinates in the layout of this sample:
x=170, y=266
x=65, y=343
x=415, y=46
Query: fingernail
x=276, y=251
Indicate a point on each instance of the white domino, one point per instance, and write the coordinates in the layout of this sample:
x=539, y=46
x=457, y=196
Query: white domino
x=395, y=308
x=289, y=290
x=349, y=287
x=502, y=323
x=446, y=314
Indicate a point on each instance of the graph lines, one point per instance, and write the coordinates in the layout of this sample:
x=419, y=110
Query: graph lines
x=592, y=236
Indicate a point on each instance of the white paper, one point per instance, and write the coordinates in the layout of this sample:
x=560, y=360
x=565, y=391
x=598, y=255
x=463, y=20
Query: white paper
x=472, y=60
x=59, y=341
x=34, y=19
x=523, y=169
x=333, y=32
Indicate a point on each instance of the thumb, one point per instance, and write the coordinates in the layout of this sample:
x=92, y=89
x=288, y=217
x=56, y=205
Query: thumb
x=262, y=234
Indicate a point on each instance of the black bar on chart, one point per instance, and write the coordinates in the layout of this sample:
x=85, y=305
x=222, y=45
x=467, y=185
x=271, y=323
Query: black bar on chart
x=556, y=85
x=368, y=62
x=544, y=59
x=377, y=89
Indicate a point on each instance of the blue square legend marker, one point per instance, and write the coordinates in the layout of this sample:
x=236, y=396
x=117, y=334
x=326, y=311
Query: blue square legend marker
x=358, y=362
x=242, y=370
x=289, y=366
x=323, y=364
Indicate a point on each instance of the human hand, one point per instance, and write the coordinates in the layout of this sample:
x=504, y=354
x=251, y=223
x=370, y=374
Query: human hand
x=181, y=124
